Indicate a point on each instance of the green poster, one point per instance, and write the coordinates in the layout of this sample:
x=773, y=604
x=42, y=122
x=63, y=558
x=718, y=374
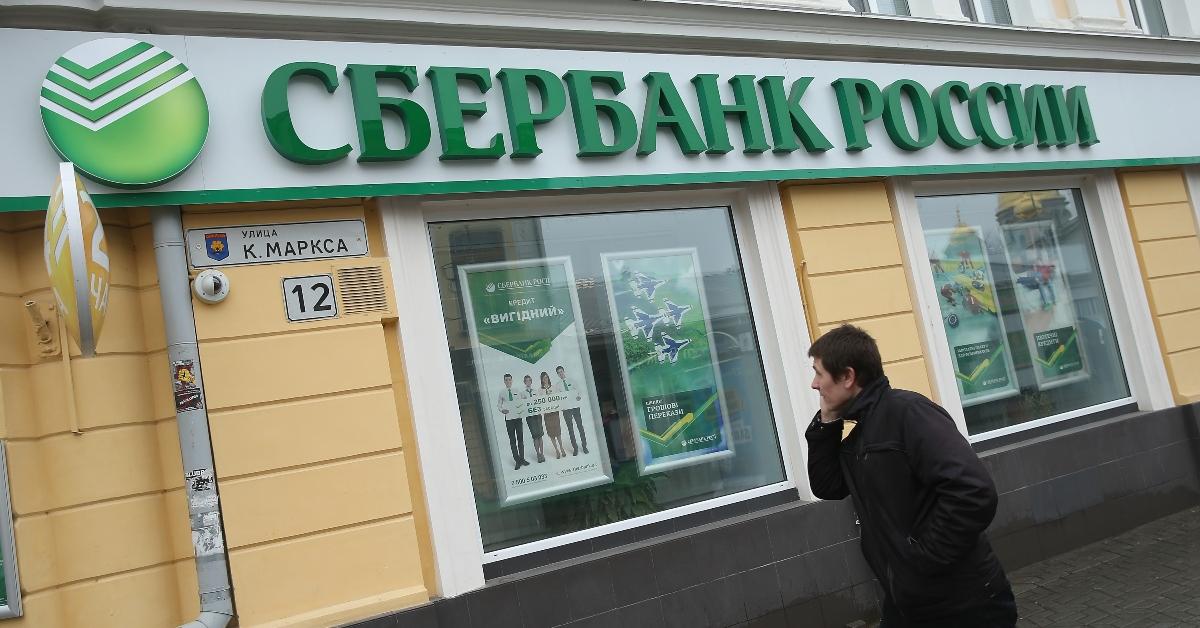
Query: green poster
x=1044, y=300
x=533, y=373
x=668, y=364
x=962, y=276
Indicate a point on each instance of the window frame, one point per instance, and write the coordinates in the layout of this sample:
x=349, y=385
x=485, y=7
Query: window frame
x=8, y=546
x=779, y=319
x=1133, y=324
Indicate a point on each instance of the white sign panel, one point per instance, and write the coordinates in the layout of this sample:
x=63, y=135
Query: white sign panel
x=1137, y=119
x=265, y=244
x=309, y=298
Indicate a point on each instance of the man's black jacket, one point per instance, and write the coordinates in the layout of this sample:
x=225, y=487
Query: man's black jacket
x=923, y=499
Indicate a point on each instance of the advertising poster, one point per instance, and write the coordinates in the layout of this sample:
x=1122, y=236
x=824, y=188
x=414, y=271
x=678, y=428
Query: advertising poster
x=966, y=289
x=1044, y=299
x=543, y=423
x=668, y=363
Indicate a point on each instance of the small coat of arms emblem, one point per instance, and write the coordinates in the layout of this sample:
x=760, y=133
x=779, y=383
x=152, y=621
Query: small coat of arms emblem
x=216, y=245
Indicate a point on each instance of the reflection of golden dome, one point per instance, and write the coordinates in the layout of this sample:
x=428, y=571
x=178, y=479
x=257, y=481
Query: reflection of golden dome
x=962, y=231
x=1025, y=205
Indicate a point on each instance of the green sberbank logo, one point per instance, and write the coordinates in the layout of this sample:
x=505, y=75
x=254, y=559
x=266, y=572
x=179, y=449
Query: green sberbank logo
x=126, y=112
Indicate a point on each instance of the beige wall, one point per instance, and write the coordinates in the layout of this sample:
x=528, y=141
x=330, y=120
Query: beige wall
x=847, y=251
x=316, y=478
x=101, y=527
x=310, y=427
x=1163, y=224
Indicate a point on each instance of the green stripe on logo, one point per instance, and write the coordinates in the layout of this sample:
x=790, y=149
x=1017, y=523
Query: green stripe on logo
x=107, y=64
x=111, y=84
x=99, y=114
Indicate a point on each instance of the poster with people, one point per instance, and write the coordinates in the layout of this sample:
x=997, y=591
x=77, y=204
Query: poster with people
x=668, y=363
x=966, y=292
x=1044, y=300
x=542, y=419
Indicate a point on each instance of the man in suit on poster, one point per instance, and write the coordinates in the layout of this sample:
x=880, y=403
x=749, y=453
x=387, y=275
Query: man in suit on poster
x=572, y=414
x=509, y=403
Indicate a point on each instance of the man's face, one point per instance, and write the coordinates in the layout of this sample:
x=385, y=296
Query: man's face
x=508, y=381
x=835, y=392
x=562, y=374
x=528, y=381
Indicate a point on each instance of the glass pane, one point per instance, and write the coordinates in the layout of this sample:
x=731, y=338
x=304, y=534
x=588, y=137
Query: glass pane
x=661, y=401
x=1154, y=18
x=995, y=11
x=1023, y=305
x=893, y=7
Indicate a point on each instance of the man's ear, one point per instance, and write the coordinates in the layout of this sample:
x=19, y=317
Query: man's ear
x=848, y=377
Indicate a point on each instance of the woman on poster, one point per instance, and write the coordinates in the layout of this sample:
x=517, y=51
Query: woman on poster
x=551, y=419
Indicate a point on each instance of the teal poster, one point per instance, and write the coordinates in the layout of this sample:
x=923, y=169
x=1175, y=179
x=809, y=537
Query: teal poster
x=966, y=292
x=1044, y=299
x=533, y=373
x=668, y=364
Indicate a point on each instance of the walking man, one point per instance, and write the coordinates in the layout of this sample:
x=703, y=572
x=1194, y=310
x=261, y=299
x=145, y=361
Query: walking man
x=923, y=497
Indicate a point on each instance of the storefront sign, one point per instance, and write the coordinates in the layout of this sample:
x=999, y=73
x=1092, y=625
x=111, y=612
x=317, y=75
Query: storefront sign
x=1044, y=300
x=532, y=369
x=668, y=362
x=265, y=244
x=962, y=275
x=315, y=119
x=76, y=255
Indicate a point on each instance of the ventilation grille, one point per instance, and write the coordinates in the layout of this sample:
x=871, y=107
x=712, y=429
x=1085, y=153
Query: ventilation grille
x=362, y=289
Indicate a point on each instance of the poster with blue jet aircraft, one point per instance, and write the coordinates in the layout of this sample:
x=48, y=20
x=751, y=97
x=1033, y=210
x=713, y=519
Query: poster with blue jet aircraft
x=668, y=362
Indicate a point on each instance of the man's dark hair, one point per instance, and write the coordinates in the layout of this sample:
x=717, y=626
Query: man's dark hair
x=849, y=347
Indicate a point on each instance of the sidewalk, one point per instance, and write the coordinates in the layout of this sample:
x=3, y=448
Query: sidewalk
x=1149, y=576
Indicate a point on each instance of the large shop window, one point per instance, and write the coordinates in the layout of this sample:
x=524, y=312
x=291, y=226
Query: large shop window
x=606, y=367
x=1023, y=305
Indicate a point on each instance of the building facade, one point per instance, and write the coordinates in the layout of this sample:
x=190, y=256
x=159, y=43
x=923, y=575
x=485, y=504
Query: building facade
x=496, y=313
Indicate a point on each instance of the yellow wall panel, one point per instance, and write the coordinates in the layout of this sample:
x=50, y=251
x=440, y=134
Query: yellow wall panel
x=18, y=409
x=10, y=281
x=255, y=303
x=281, y=580
x=189, y=597
x=1185, y=365
x=828, y=205
x=36, y=556
x=123, y=330
x=140, y=599
x=103, y=464
x=170, y=460
x=162, y=399
x=850, y=248
x=1154, y=187
x=1171, y=257
x=143, y=250
x=256, y=439
x=111, y=537
x=909, y=375
x=109, y=390
x=16, y=332
x=1155, y=222
x=41, y=610
x=293, y=365
x=312, y=499
x=1180, y=331
x=30, y=262
x=251, y=216
x=860, y=294
x=154, y=336
x=897, y=335
x=122, y=263
x=1175, y=294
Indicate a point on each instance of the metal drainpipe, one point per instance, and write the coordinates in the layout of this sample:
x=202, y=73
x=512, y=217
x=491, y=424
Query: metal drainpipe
x=200, y=482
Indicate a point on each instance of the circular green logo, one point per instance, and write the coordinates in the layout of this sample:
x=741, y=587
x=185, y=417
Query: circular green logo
x=125, y=112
